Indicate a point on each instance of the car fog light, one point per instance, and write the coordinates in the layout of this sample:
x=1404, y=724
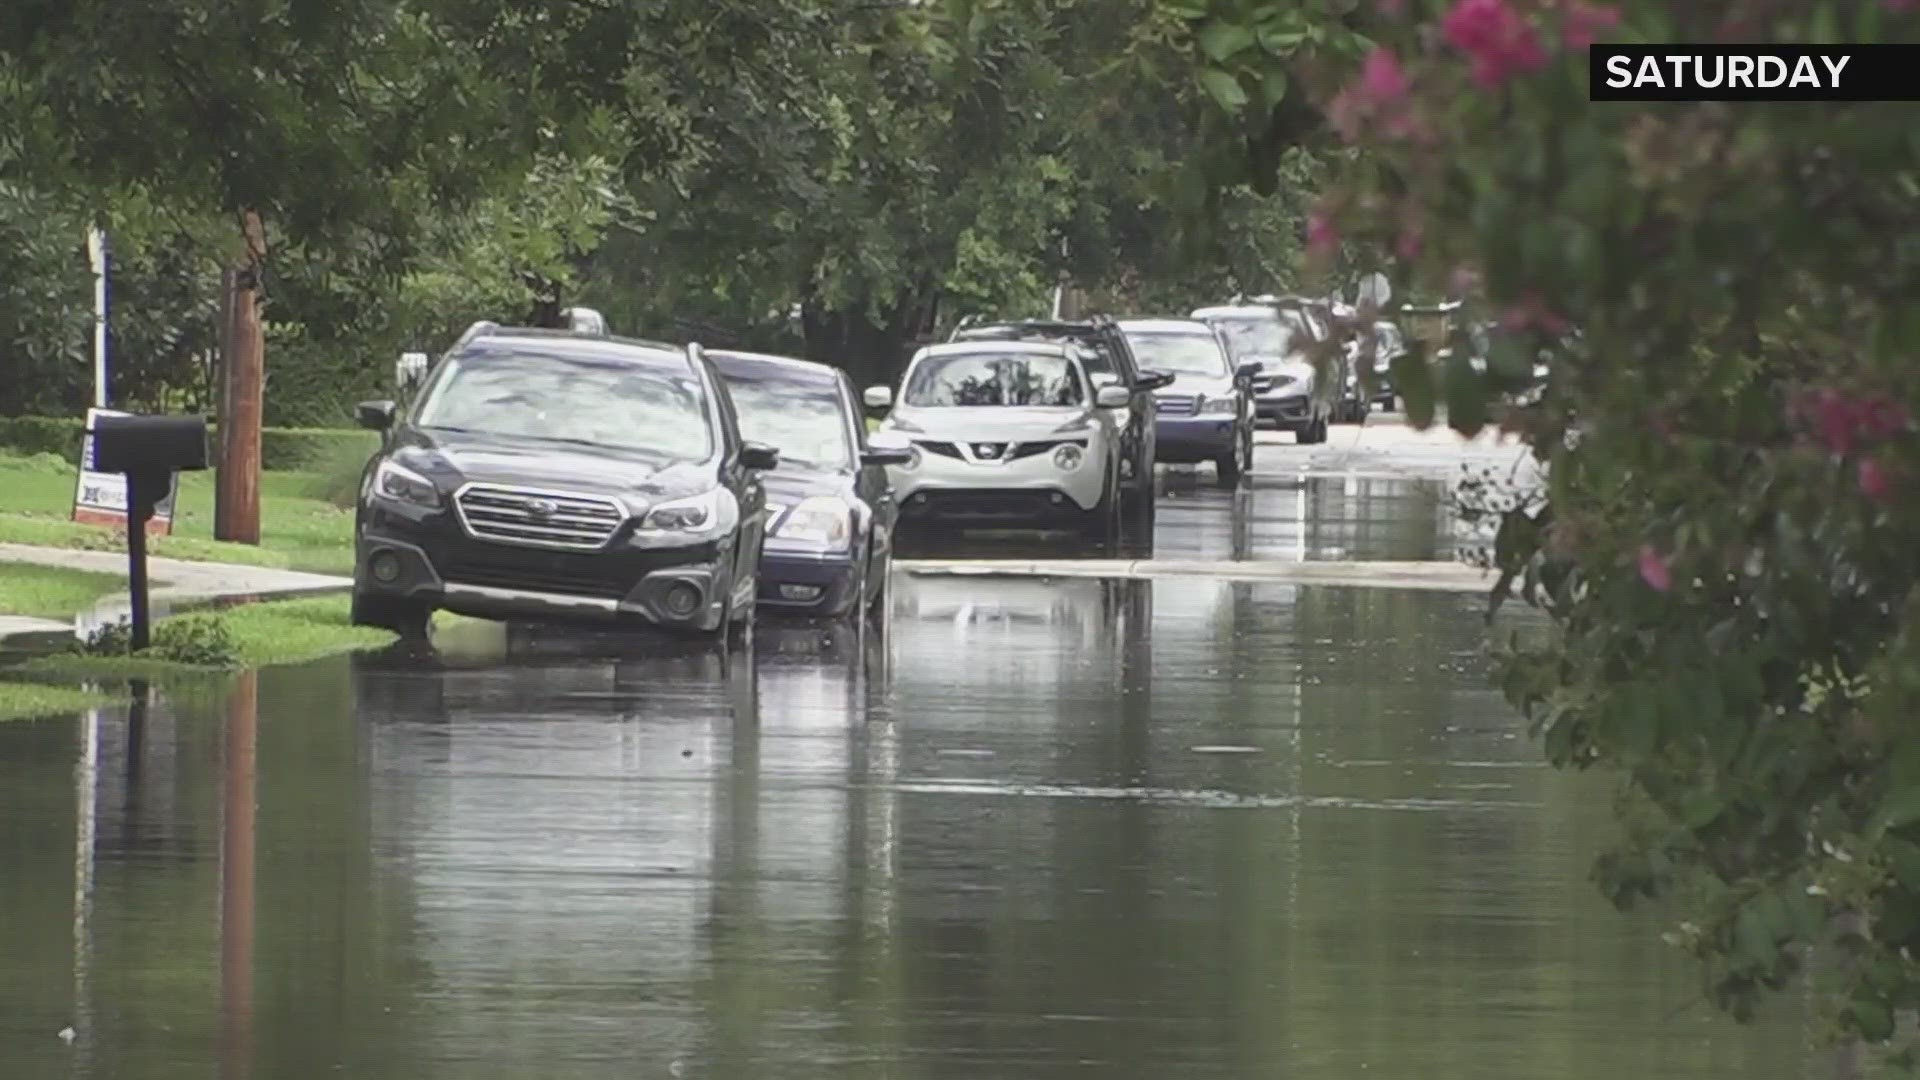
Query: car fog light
x=1068, y=457
x=683, y=599
x=385, y=566
x=1056, y=498
x=799, y=592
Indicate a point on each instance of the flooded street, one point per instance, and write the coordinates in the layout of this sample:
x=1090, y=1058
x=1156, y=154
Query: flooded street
x=1087, y=828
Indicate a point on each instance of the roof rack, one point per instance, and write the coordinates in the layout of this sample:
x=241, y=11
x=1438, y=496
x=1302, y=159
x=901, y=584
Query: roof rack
x=584, y=320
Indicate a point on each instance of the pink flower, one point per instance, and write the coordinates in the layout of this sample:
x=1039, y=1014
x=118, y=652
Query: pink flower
x=1874, y=481
x=1391, y=8
x=1843, y=423
x=1653, y=569
x=1583, y=24
x=1900, y=6
x=1382, y=80
x=1410, y=242
x=1322, y=237
x=1496, y=38
x=1532, y=313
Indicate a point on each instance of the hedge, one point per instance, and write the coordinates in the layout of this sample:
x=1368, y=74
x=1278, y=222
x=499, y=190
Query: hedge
x=280, y=448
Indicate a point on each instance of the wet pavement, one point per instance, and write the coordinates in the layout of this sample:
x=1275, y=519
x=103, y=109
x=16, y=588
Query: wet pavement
x=1037, y=829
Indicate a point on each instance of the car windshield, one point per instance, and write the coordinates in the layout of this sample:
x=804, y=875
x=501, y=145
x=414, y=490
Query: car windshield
x=1092, y=357
x=556, y=397
x=985, y=378
x=1180, y=354
x=1257, y=337
x=803, y=415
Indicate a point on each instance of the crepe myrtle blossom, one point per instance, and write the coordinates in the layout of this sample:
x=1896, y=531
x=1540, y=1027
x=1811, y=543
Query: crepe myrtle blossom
x=1842, y=423
x=1322, y=237
x=1583, y=24
x=1653, y=569
x=1875, y=484
x=1380, y=93
x=1498, y=40
x=1532, y=313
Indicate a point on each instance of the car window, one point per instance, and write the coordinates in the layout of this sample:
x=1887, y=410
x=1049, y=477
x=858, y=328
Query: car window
x=1264, y=337
x=987, y=378
x=557, y=397
x=1180, y=354
x=803, y=415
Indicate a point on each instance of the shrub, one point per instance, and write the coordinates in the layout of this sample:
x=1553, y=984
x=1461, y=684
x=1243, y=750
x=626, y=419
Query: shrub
x=280, y=448
x=1727, y=547
x=200, y=640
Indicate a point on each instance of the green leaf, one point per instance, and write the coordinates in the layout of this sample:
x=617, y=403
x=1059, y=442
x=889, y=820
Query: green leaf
x=1281, y=40
x=1223, y=40
x=1753, y=938
x=1224, y=89
x=1904, y=857
x=1273, y=87
x=1872, y=1019
x=1900, y=806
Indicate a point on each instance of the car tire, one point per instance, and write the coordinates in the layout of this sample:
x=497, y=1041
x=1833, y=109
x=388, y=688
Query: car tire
x=408, y=618
x=1233, y=466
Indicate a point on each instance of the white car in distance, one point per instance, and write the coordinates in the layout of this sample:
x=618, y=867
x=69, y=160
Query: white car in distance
x=1005, y=434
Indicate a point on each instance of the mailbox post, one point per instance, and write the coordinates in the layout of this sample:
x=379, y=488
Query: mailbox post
x=147, y=450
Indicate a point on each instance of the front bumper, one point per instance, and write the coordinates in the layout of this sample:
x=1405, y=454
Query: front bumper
x=1027, y=482
x=427, y=557
x=1187, y=440
x=1292, y=411
x=807, y=583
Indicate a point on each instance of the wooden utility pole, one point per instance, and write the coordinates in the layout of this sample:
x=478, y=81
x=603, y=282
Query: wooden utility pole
x=243, y=347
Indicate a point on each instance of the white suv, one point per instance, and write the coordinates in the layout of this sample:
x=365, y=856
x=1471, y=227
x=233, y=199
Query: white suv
x=1005, y=434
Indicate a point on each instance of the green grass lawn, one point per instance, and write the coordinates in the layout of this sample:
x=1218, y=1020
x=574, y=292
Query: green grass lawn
x=50, y=592
x=298, y=531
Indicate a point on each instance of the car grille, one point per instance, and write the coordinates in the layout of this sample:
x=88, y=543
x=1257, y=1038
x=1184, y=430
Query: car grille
x=558, y=580
x=1034, y=449
x=1174, y=406
x=538, y=518
x=944, y=449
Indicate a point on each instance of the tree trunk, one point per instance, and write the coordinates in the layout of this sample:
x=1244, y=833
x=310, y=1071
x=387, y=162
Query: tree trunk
x=870, y=351
x=236, y=514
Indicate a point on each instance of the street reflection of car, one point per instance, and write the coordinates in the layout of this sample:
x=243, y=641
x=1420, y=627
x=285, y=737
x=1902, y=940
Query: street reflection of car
x=1279, y=338
x=1206, y=413
x=1109, y=359
x=1005, y=434
x=552, y=475
x=1056, y=614
x=831, y=512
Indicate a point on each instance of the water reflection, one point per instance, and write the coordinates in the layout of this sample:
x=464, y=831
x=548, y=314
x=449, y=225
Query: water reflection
x=1038, y=829
x=1274, y=518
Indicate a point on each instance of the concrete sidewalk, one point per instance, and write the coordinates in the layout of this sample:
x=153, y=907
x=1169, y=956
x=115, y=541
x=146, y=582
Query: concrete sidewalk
x=174, y=582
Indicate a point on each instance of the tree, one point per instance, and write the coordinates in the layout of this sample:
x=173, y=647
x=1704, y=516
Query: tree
x=1725, y=541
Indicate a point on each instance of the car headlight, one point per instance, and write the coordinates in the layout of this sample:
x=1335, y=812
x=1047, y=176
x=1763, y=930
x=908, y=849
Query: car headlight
x=397, y=483
x=1074, y=427
x=698, y=513
x=1218, y=406
x=913, y=459
x=895, y=423
x=1068, y=458
x=820, y=520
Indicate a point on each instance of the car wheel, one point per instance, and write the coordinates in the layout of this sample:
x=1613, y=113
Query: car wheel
x=1232, y=465
x=408, y=618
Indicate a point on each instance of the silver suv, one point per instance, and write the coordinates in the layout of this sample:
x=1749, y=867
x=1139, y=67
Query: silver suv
x=1005, y=434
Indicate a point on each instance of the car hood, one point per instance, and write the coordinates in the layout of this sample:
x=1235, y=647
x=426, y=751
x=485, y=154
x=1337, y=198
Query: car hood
x=1197, y=386
x=792, y=482
x=452, y=459
x=985, y=423
x=1293, y=367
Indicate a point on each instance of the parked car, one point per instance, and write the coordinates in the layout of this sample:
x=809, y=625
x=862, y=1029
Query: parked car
x=1278, y=336
x=1206, y=413
x=1389, y=344
x=1108, y=359
x=1006, y=434
x=829, y=549
x=558, y=475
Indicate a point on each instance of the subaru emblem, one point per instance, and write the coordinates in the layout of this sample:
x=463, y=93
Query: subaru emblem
x=541, y=508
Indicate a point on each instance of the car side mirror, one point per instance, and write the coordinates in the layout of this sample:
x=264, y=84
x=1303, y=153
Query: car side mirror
x=878, y=397
x=1248, y=371
x=886, y=455
x=759, y=456
x=1154, y=380
x=375, y=415
x=1112, y=397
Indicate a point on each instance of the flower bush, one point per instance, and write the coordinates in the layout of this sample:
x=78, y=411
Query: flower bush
x=1727, y=540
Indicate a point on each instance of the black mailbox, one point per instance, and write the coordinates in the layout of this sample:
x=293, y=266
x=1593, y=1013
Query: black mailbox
x=148, y=450
x=149, y=444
